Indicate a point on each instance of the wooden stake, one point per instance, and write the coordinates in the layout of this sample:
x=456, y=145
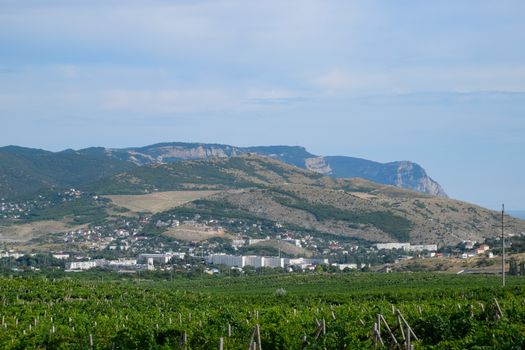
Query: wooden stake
x=252, y=342
x=255, y=338
x=499, y=313
x=184, y=339
x=388, y=329
x=258, y=329
x=409, y=329
x=409, y=346
x=321, y=328
x=377, y=335
x=400, y=325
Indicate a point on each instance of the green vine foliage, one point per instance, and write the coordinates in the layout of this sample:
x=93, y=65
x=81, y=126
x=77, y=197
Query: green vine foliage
x=444, y=311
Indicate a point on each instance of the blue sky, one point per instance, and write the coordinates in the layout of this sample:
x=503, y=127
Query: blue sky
x=441, y=83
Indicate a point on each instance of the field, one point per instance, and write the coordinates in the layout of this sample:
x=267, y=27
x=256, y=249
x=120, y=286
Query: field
x=188, y=232
x=158, y=201
x=289, y=311
x=28, y=231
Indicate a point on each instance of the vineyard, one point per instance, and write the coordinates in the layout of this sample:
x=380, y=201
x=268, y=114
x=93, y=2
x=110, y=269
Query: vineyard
x=295, y=311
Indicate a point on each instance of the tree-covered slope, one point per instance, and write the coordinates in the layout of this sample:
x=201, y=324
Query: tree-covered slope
x=217, y=173
x=24, y=171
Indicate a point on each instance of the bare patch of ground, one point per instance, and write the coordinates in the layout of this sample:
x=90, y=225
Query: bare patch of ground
x=158, y=201
x=26, y=232
x=363, y=195
x=478, y=264
x=196, y=232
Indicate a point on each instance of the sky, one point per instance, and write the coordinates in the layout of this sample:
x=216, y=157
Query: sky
x=440, y=83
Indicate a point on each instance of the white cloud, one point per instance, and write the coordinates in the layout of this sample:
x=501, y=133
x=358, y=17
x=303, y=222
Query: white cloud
x=275, y=96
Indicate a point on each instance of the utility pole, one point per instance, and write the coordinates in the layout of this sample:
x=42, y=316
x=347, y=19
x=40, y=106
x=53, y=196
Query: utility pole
x=502, y=246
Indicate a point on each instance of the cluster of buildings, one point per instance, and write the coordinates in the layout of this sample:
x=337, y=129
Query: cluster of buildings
x=149, y=260
x=237, y=261
x=144, y=262
x=470, y=250
x=407, y=247
x=22, y=209
x=262, y=261
x=15, y=210
x=10, y=254
x=120, y=265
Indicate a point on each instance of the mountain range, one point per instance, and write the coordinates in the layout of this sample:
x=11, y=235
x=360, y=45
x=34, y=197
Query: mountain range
x=24, y=171
x=255, y=188
x=236, y=190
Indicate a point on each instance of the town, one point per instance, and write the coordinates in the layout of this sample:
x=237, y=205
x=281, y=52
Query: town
x=213, y=262
x=178, y=239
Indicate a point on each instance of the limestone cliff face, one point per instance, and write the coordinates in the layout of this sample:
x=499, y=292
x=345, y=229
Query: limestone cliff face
x=199, y=152
x=171, y=152
x=402, y=174
x=412, y=176
x=318, y=164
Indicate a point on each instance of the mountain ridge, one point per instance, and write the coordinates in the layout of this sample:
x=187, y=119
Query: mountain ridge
x=251, y=189
x=256, y=187
x=21, y=174
x=404, y=174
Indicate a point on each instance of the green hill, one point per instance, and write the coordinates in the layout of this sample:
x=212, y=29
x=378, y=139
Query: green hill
x=258, y=189
x=252, y=191
x=218, y=173
x=24, y=171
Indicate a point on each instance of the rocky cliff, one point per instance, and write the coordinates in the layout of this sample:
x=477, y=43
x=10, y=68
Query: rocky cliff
x=403, y=174
x=25, y=171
